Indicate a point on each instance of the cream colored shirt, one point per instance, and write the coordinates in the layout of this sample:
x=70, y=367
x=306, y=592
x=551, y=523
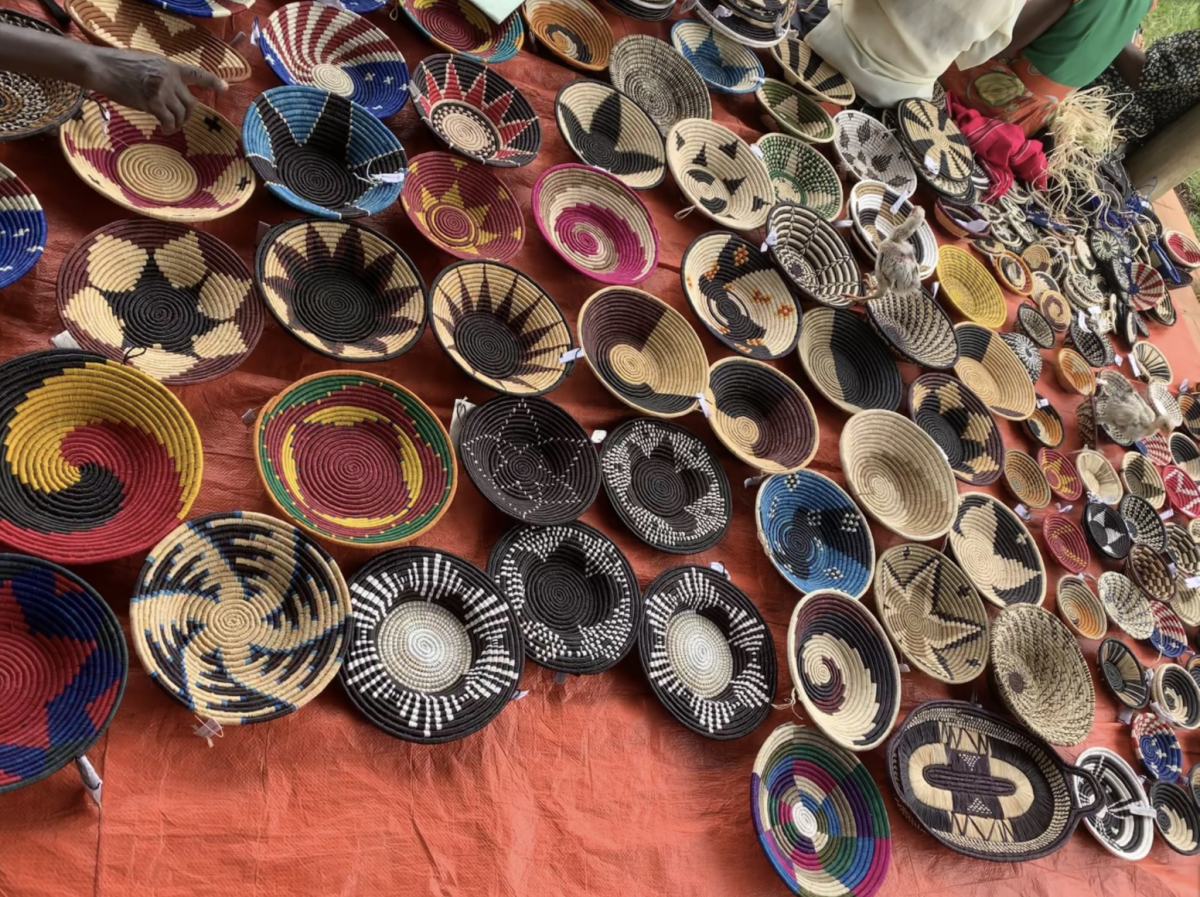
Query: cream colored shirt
x=895, y=49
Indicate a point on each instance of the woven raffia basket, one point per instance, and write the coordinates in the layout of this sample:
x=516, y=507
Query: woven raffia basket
x=1141, y=478
x=1160, y=399
x=870, y=207
x=870, y=152
x=643, y=351
x=655, y=75
x=916, y=328
x=1014, y=275
x=500, y=328
x=1079, y=607
x=1145, y=526
x=607, y=129
x=355, y=458
x=719, y=174
x=997, y=552
x=1184, y=452
x=1120, y=830
x=1065, y=540
x=34, y=104
x=1025, y=480
x=1176, y=692
x=1099, y=478
x=100, y=460
x=1182, y=491
x=812, y=256
x=1033, y=324
x=1123, y=673
x=435, y=652
x=707, y=652
x=792, y=111
x=739, y=296
x=1182, y=549
x=65, y=667
x=804, y=68
x=1045, y=425
x=1176, y=817
x=1148, y=290
x=573, y=30
x=1126, y=605
x=993, y=371
x=22, y=228
x=202, y=617
x=1106, y=530
x=847, y=362
x=1157, y=746
x=1169, y=637
x=1095, y=349
x=898, y=474
x=1085, y=423
x=961, y=222
x=843, y=670
x=933, y=614
x=1189, y=408
x=463, y=29
x=1055, y=308
x=814, y=534
x=969, y=286
x=961, y=425
x=801, y=175
x=1152, y=363
x=1148, y=570
x=725, y=65
x=761, y=415
x=1183, y=250
x=1060, y=472
x=1040, y=675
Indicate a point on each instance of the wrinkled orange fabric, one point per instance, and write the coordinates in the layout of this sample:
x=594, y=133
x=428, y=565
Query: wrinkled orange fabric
x=586, y=787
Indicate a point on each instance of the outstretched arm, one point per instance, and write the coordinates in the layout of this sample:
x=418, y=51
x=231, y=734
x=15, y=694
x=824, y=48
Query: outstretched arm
x=139, y=80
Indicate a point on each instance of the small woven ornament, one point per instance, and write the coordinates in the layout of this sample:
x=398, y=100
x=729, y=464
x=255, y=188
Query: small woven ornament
x=961, y=425
x=1176, y=817
x=1014, y=275
x=1127, y=606
x=1152, y=364
x=870, y=152
x=1123, y=673
x=1065, y=540
x=607, y=129
x=64, y=665
x=993, y=371
x=1025, y=479
x=707, y=652
x=804, y=68
x=792, y=111
x=724, y=64
x=812, y=256
x=1106, y=530
x=572, y=30
x=435, y=653
x=843, y=670
x=1148, y=570
x=1121, y=830
x=1141, y=478
x=1170, y=640
x=1189, y=409
x=996, y=551
x=871, y=208
x=659, y=79
x=33, y=104
x=464, y=29
x=801, y=175
x=1157, y=746
x=1173, y=689
x=1055, y=309
x=1060, y=473
x=1077, y=604
x=1182, y=492
x=1045, y=425
x=916, y=328
x=240, y=616
x=1027, y=353
x=719, y=173
x=847, y=362
x=1099, y=478
x=1033, y=324
x=1184, y=452
x=1146, y=528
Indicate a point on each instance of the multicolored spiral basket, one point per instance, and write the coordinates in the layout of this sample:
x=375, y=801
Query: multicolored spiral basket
x=100, y=460
x=355, y=458
x=22, y=228
x=462, y=28
x=63, y=662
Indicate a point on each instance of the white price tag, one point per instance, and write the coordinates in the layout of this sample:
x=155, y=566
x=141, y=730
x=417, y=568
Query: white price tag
x=1063, y=509
x=845, y=222
x=1126, y=715
x=208, y=730
x=931, y=164
x=900, y=200
x=388, y=177
x=1142, y=810
x=1082, y=320
x=87, y=774
x=1167, y=514
x=753, y=481
x=718, y=567
x=570, y=355
x=1133, y=365
x=598, y=436
x=518, y=695
x=937, y=285
x=1183, y=387
x=771, y=240
x=754, y=148
x=64, y=340
x=249, y=416
x=255, y=32
x=1172, y=569
x=1023, y=512
x=1192, y=582
x=704, y=409
x=458, y=417
x=903, y=667
x=1043, y=403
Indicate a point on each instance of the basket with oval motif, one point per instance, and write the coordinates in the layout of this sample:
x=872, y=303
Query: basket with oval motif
x=847, y=362
x=916, y=329
x=720, y=174
x=1123, y=673
x=1176, y=817
x=606, y=129
x=871, y=204
x=1060, y=473
x=1119, y=828
x=1068, y=545
x=801, y=175
x=462, y=28
x=1141, y=478
x=1145, y=526
x=34, y=104
x=1152, y=364
x=989, y=367
x=811, y=255
x=1033, y=324
x=1173, y=689
x=997, y=552
x=1182, y=491
x=724, y=64
x=793, y=111
x=969, y=286
x=1045, y=425
x=1077, y=604
x=1025, y=480
x=1157, y=746
x=1125, y=603
x=659, y=79
x=1099, y=478
x=870, y=152
x=1043, y=281
x=961, y=425
x=572, y=30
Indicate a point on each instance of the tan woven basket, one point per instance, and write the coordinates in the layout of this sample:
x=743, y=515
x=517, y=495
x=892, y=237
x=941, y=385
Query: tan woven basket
x=1013, y=274
x=1074, y=374
x=970, y=287
x=995, y=548
x=1125, y=604
x=573, y=30
x=1026, y=480
x=1152, y=364
x=993, y=371
x=1141, y=478
x=658, y=78
x=794, y=112
x=1080, y=609
x=1098, y=476
x=719, y=173
x=1176, y=692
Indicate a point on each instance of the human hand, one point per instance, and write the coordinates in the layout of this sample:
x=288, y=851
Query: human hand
x=149, y=83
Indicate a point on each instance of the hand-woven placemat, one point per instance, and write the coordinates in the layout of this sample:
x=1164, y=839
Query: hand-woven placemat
x=1125, y=603
x=575, y=595
x=1157, y=746
x=1122, y=832
x=64, y=664
x=995, y=549
x=22, y=228
x=1123, y=673
x=462, y=28
x=435, y=651
x=240, y=616
x=719, y=174
x=707, y=652
x=847, y=362
x=31, y=104
x=659, y=79
x=801, y=175
x=607, y=129
x=813, y=257
x=725, y=65
x=572, y=30
x=961, y=425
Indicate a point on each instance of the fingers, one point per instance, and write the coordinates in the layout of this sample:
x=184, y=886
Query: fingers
x=190, y=74
x=178, y=110
x=165, y=115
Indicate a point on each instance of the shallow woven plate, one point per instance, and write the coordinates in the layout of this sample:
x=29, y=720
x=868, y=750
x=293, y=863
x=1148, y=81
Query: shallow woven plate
x=315, y=278
x=1037, y=258
x=871, y=206
x=607, y=129
x=500, y=328
x=960, y=424
x=1077, y=604
x=1173, y=689
x=1170, y=639
x=804, y=68
x=791, y=110
x=1074, y=373
x=801, y=175
x=1055, y=308
x=812, y=255
x=720, y=174
x=1025, y=480
x=464, y=29
x=990, y=368
x=707, y=652
x=1068, y=545
x=1176, y=817
x=814, y=534
x=969, y=286
x=870, y=152
x=916, y=328
x=573, y=30
x=1157, y=746
x=932, y=613
x=1123, y=673
x=1145, y=526
x=1141, y=478
x=655, y=75
x=1118, y=826
x=65, y=668
x=724, y=64
x=996, y=551
x=1045, y=425
x=1151, y=363
x=176, y=303
x=847, y=362
x=1125, y=604
x=1184, y=452
x=31, y=104
x=196, y=174
x=206, y=616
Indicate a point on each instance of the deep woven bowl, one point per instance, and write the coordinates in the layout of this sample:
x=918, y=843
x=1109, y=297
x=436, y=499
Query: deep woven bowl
x=655, y=75
x=463, y=29
x=1151, y=363
x=1157, y=746
x=308, y=42
x=196, y=174
x=811, y=255
x=761, y=415
x=871, y=204
x=65, y=664
x=1106, y=530
x=1125, y=604
x=997, y=552
x=1073, y=372
x=916, y=328
x=969, y=286
x=322, y=153
x=175, y=303
x=814, y=534
x=1182, y=492
x=1012, y=273
x=1149, y=288
x=1061, y=475
x=898, y=474
x=34, y=104
x=962, y=222
x=843, y=670
x=1182, y=249
x=847, y=362
x=1170, y=640
x=607, y=129
x=22, y=228
x=530, y=459
x=1175, y=691
x=932, y=613
x=870, y=152
x=595, y=223
x=1141, y=478
x=1120, y=831
x=960, y=424
x=205, y=617
x=1077, y=604
x=1189, y=409
x=794, y=111
x=724, y=64
x=435, y=651
x=1068, y=545
x=1123, y=673
x=573, y=30
x=500, y=328
x=719, y=173
x=473, y=110
x=462, y=209
x=1182, y=549
x=1025, y=480
x=1099, y=478
x=1177, y=817
x=1184, y=452
x=990, y=368
x=100, y=460
x=1045, y=425
x=1095, y=349
x=1146, y=528
x=804, y=68
x=707, y=652
x=801, y=175
x=1034, y=325
x=1055, y=308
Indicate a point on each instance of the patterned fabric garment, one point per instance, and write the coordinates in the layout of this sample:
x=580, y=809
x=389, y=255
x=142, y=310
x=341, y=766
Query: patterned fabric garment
x=1168, y=87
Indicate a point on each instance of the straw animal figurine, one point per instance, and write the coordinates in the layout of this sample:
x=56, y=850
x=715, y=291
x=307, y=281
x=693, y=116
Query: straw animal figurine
x=1127, y=412
x=896, y=269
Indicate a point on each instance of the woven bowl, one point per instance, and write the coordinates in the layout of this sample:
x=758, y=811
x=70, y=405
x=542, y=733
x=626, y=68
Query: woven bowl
x=1123, y=673
x=65, y=667
x=996, y=551
x=725, y=65
x=462, y=209
x=322, y=153
x=1141, y=478
x=208, y=9
x=1095, y=349
x=173, y=302
x=961, y=426
x=1151, y=363
x=1164, y=311
x=804, y=68
x=608, y=130
x=500, y=328
x=1066, y=542
x=463, y=29
x=1056, y=310
x=814, y=534
x=1126, y=605
x=801, y=175
x=531, y=459
x=811, y=255
x=1025, y=480
x=22, y=228
x=1037, y=258
x=1027, y=353
x=1099, y=478
x=435, y=652
x=1182, y=549
x=595, y=223
x=932, y=612
x=100, y=460
x=1176, y=817
x=1189, y=409
x=1170, y=639
x=870, y=152
x=871, y=206
x=205, y=612
x=1148, y=570
x=475, y=111
x=1041, y=676
x=1182, y=249
x=1078, y=605
x=1060, y=473
x=1081, y=291
x=1148, y=289
x=970, y=288
x=916, y=329
x=643, y=351
x=312, y=43
x=196, y=174
x=656, y=76
x=1033, y=324
x=931, y=134
x=1121, y=831
x=1182, y=492
x=1044, y=281
x=1145, y=526
x=961, y=222
x=1184, y=452
x=761, y=415
x=843, y=670
x=33, y=104
x=707, y=652
x=666, y=486
x=572, y=30
x=1176, y=692
x=1160, y=399
x=847, y=363
x=993, y=371
x=1045, y=425
x=1106, y=530
x=719, y=174
x=792, y=111
x=739, y=296
x=1157, y=746
x=1012, y=273
x=1073, y=372
x=898, y=474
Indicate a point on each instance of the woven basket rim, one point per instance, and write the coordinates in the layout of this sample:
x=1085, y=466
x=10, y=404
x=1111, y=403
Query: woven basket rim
x=724, y=43
x=790, y=38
